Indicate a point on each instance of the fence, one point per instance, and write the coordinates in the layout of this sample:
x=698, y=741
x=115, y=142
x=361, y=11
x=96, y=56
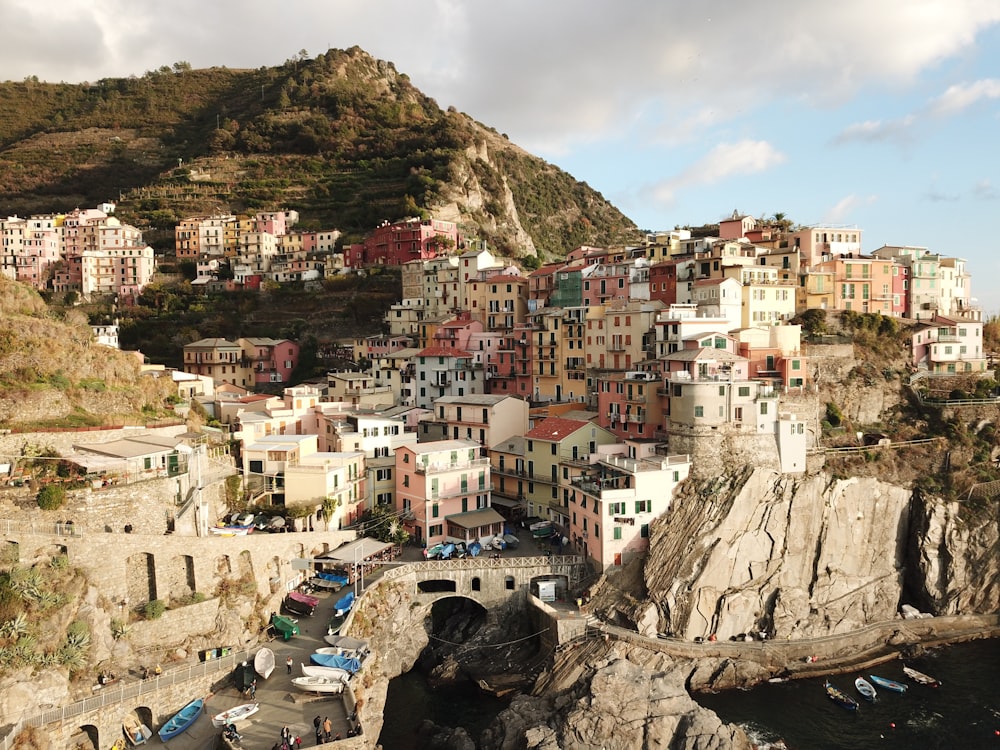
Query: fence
x=110, y=696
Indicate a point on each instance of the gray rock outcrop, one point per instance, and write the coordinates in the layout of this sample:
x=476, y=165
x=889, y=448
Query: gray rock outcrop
x=796, y=556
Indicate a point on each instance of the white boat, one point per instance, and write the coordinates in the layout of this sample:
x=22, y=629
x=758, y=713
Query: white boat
x=330, y=673
x=230, y=530
x=318, y=684
x=135, y=731
x=923, y=679
x=345, y=641
x=235, y=714
x=263, y=662
x=866, y=689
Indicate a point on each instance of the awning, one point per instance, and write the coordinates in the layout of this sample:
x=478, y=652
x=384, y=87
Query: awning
x=505, y=502
x=357, y=551
x=475, y=518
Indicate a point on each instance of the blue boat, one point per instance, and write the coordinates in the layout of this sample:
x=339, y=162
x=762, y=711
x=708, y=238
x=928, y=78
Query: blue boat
x=182, y=719
x=348, y=664
x=342, y=580
x=882, y=682
x=343, y=606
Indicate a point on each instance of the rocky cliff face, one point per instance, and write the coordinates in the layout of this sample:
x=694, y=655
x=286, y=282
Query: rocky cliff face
x=799, y=556
x=954, y=556
x=610, y=697
x=814, y=555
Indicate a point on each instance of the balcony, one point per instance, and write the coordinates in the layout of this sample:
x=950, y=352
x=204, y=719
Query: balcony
x=508, y=471
x=575, y=363
x=441, y=379
x=441, y=466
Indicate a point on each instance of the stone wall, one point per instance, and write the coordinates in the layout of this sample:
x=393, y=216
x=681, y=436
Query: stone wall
x=63, y=442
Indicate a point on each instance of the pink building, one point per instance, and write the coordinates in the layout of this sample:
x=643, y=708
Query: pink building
x=441, y=487
x=456, y=333
x=272, y=360
x=628, y=404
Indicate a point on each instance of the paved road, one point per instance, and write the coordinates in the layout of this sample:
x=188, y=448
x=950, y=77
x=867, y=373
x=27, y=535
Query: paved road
x=280, y=703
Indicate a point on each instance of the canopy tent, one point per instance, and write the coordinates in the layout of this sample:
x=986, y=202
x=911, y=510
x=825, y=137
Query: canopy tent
x=357, y=551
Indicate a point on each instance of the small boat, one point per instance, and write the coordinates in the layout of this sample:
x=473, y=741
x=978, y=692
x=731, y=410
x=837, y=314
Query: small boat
x=263, y=662
x=284, y=626
x=343, y=606
x=923, y=679
x=511, y=541
x=474, y=549
x=865, y=688
x=183, y=719
x=230, y=530
x=882, y=682
x=300, y=604
x=346, y=642
x=333, y=577
x=839, y=697
x=541, y=529
x=318, y=684
x=238, y=713
x=335, y=624
x=326, y=584
x=330, y=673
x=346, y=663
x=135, y=731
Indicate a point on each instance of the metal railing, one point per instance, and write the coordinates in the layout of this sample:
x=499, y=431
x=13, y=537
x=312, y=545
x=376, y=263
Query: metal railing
x=115, y=695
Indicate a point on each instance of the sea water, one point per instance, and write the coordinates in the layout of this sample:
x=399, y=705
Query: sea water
x=964, y=712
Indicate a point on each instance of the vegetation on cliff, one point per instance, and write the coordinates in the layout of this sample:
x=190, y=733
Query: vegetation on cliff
x=343, y=138
x=53, y=374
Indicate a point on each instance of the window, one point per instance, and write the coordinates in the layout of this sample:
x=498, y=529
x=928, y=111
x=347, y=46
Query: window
x=555, y=448
x=406, y=458
x=644, y=531
x=406, y=480
x=618, y=532
x=616, y=509
x=643, y=506
x=435, y=510
x=436, y=530
x=699, y=411
x=763, y=407
x=744, y=391
x=383, y=474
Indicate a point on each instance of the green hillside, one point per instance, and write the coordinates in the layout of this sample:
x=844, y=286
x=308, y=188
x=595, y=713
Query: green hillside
x=343, y=138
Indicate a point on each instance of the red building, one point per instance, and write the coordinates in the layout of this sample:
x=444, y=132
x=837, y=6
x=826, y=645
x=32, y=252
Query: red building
x=509, y=368
x=404, y=241
x=663, y=282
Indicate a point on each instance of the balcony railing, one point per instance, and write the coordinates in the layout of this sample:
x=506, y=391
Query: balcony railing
x=441, y=466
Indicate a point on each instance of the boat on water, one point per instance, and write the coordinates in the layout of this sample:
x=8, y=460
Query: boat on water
x=866, y=689
x=839, y=697
x=920, y=677
x=263, y=662
x=318, y=684
x=300, y=604
x=346, y=663
x=883, y=682
x=135, y=731
x=330, y=673
x=183, y=719
x=235, y=714
x=284, y=626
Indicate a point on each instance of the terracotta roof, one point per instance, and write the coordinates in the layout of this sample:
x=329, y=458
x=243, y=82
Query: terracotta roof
x=547, y=270
x=555, y=428
x=456, y=323
x=443, y=351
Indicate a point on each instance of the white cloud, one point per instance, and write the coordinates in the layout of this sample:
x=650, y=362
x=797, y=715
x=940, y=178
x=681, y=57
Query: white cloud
x=963, y=95
x=552, y=74
x=983, y=190
x=876, y=131
x=724, y=161
x=841, y=210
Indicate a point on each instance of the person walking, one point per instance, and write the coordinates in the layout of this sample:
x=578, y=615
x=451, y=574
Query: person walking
x=288, y=664
x=327, y=729
x=253, y=690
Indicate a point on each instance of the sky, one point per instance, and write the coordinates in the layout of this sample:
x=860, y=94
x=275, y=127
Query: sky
x=876, y=114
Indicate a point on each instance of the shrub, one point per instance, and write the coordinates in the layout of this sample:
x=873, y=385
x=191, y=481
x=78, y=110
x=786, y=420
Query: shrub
x=154, y=610
x=51, y=497
x=833, y=414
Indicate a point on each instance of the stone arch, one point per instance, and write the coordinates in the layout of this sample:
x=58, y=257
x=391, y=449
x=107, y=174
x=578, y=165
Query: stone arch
x=476, y=584
x=179, y=575
x=140, y=578
x=86, y=737
x=11, y=553
x=273, y=569
x=437, y=586
x=244, y=565
x=509, y=583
